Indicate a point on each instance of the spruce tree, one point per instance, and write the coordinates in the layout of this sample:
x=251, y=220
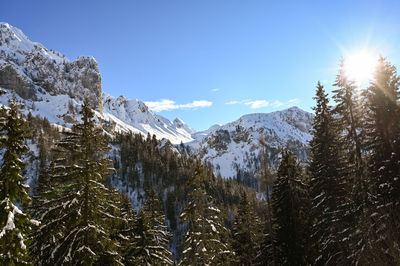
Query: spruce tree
x=329, y=205
x=204, y=239
x=75, y=209
x=124, y=231
x=15, y=224
x=383, y=145
x=244, y=232
x=290, y=211
x=348, y=113
x=267, y=253
x=152, y=236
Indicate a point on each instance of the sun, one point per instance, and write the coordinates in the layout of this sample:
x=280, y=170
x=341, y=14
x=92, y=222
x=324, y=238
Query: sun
x=360, y=66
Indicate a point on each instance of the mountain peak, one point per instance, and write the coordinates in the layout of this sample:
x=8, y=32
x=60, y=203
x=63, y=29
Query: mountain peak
x=14, y=38
x=178, y=123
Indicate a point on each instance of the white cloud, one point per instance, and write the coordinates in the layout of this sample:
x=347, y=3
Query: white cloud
x=239, y=102
x=196, y=104
x=293, y=101
x=277, y=104
x=257, y=104
x=166, y=105
x=215, y=89
x=264, y=103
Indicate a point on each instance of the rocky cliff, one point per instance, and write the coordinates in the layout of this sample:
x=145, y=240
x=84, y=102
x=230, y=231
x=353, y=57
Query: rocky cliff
x=28, y=68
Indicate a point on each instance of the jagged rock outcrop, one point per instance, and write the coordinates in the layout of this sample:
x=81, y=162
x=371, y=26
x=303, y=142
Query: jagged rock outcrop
x=28, y=67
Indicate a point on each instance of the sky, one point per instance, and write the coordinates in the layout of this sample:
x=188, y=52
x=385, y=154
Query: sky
x=211, y=61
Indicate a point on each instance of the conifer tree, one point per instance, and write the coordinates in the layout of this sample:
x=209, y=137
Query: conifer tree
x=15, y=224
x=125, y=230
x=244, y=232
x=204, y=239
x=152, y=236
x=383, y=145
x=330, y=207
x=290, y=210
x=75, y=209
x=267, y=253
x=348, y=113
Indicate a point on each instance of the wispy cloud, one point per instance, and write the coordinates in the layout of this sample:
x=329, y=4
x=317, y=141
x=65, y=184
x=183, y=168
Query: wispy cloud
x=293, y=101
x=238, y=102
x=257, y=104
x=264, y=103
x=215, y=89
x=277, y=104
x=166, y=105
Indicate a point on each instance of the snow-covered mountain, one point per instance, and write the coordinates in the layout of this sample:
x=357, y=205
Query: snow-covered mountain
x=52, y=86
x=236, y=145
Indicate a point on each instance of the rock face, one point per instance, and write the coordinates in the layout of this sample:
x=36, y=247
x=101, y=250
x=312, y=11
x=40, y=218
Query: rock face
x=234, y=148
x=52, y=86
x=28, y=67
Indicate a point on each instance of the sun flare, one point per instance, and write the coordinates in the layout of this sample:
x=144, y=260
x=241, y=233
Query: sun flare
x=360, y=66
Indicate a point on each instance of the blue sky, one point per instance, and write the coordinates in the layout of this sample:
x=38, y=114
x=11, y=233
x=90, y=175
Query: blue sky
x=211, y=61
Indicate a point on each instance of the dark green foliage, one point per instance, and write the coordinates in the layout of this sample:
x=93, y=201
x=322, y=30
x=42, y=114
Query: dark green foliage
x=205, y=238
x=152, y=236
x=15, y=225
x=330, y=207
x=290, y=211
x=125, y=231
x=348, y=113
x=75, y=209
x=383, y=145
x=245, y=232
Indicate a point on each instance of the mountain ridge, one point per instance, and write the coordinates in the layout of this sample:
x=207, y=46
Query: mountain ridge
x=52, y=86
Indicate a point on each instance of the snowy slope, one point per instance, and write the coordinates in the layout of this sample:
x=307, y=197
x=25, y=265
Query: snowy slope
x=235, y=146
x=134, y=115
x=52, y=86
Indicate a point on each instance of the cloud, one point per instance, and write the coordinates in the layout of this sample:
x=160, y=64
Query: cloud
x=167, y=105
x=238, y=102
x=253, y=104
x=264, y=103
x=277, y=104
x=257, y=104
x=215, y=89
x=293, y=101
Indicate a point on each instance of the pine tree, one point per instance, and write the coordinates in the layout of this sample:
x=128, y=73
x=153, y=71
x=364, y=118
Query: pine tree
x=330, y=207
x=75, y=209
x=244, y=232
x=15, y=225
x=348, y=113
x=124, y=231
x=267, y=253
x=383, y=145
x=152, y=236
x=290, y=210
x=204, y=239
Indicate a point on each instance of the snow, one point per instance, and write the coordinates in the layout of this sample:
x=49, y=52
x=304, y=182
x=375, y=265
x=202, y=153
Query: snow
x=12, y=210
x=241, y=138
x=135, y=116
x=125, y=115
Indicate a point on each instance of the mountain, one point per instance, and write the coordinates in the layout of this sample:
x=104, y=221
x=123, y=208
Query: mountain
x=235, y=146
x=52, y=86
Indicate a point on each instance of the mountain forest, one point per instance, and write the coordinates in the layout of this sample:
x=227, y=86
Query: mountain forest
x=339, y=207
